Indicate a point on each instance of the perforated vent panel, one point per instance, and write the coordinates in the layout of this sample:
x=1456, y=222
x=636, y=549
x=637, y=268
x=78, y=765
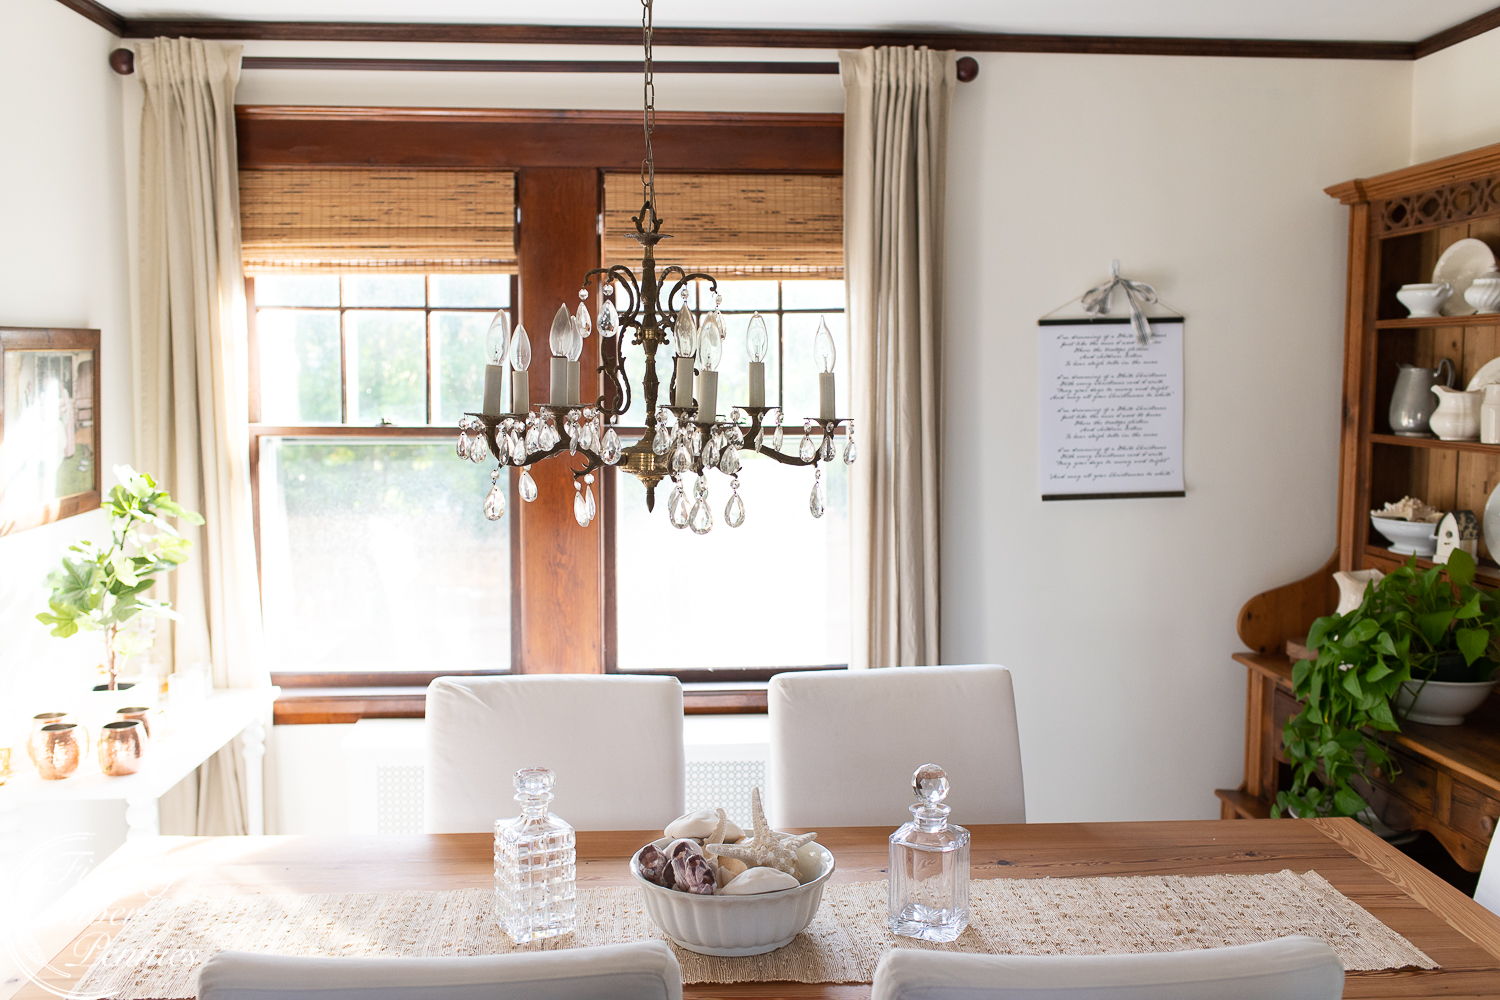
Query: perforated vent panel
x=726, y=783
x=398, y=798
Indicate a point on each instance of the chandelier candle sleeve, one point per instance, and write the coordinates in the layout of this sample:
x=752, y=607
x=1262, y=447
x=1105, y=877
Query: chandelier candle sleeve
x=520, y=360
x=757, y=343
x=824, y=349
x=497, y=342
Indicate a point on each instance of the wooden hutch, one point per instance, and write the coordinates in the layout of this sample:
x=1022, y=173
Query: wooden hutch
x=1399, y=223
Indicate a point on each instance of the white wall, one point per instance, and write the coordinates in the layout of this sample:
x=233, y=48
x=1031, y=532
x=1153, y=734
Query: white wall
x=1456, y=99
x=1204, y=177
x=62, y=264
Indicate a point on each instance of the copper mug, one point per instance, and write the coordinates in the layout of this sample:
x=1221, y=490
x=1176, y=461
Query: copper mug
x=58, y=750
x=142, y=713
x=122, y=744
x=35, y=740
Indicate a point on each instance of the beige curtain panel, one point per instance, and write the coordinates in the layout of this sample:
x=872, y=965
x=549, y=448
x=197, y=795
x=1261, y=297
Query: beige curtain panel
x=896, y=114
x=400, y=221
x=771, y=225
x=191, y=383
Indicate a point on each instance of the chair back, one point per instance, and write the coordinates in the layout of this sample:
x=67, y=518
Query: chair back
x=645, y=970
x=1289, y=968
x=613, y=742
x=844, y=744
x=1487, y=893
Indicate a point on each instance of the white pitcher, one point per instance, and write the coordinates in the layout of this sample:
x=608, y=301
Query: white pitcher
x=1489, y=415
x=1457, y=415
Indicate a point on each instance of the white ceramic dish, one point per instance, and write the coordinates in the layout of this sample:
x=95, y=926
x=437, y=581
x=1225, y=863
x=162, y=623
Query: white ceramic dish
x=738, y=925
x=1459, y=265
x=1490, y=522
x=1408, y=538
x=1488, y=374
x=1484, y=294
x=1440, y=703
x=1425, y=300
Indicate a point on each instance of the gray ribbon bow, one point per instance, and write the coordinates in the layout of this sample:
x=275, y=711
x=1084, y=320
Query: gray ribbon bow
x=1138, y=295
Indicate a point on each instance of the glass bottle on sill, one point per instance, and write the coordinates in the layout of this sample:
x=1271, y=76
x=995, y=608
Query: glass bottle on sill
x=535, y=864
x=929, y=867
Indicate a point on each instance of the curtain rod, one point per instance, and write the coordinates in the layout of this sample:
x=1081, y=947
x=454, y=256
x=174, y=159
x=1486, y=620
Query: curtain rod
x=123, y=62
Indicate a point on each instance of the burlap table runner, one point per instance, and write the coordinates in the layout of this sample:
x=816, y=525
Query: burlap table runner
x=157, y=953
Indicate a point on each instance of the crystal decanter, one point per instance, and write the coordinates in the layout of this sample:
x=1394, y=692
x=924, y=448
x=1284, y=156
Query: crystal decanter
x=929, y=871
x=535, y=881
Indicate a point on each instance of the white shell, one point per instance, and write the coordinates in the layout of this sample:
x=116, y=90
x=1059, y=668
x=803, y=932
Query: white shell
x=727, y=869
x=693, y=846
x=754, y=881
x=701, y=823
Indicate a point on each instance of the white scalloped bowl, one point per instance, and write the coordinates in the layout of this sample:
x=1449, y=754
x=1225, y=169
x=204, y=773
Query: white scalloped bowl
x=738, y=925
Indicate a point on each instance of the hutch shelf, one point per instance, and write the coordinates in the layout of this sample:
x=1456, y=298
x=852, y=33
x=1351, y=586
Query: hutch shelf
x=1399, y=224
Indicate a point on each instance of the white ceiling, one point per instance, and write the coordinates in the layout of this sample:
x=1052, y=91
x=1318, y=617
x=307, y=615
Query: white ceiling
x=1366, y=20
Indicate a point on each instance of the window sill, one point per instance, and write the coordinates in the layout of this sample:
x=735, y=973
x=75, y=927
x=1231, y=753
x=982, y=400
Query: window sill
x=300, y=706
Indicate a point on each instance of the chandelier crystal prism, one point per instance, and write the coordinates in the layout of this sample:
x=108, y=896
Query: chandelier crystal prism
x=686, y=438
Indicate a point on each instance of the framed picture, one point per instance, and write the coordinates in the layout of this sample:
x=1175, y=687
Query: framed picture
x=49, y=425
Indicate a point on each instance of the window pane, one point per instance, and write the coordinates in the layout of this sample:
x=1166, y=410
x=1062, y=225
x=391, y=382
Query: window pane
x=387, y=367
x=299, y=365
x=458, y=363
x=384, y=290
x=376, y=555
x=740, y=293
x=801, y=388
x=464, y=291
x=812, y=295
x=790, y=568
x=297, y=290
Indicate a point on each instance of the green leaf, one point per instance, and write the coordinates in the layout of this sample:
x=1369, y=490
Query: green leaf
x=1319, y=629
x=1299, y=672
x=1378, y=671
x=1433, y=624
x=1472, y=642
x=1348, y=801
x=1461, y=567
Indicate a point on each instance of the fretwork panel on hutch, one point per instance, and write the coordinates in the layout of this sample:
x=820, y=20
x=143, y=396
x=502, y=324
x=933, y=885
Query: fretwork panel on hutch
x=1400, y=224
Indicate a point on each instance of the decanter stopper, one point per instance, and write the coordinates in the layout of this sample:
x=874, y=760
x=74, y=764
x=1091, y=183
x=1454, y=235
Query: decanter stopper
x=929, y=865
x=535, y=864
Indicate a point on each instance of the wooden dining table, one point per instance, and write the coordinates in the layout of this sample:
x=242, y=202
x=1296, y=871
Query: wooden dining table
x=1457, y=933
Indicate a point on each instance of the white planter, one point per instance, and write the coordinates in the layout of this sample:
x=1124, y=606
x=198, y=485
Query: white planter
x=1440, y=703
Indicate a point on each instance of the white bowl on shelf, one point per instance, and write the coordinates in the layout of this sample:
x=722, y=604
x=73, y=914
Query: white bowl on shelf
x=1441, y=703
x=738, y=925
x=1425, y=300
x=1408, y=538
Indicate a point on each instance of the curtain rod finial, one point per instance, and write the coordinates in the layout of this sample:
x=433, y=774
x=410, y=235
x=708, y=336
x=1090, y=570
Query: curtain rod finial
x=968, y=68
x=122, y=61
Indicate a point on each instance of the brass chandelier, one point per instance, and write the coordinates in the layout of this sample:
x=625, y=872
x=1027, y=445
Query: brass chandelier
x=686, y=437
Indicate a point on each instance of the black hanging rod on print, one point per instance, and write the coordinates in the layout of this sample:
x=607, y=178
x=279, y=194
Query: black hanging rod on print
x=123, y=61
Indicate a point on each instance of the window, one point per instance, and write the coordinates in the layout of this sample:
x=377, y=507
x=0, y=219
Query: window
x=782, y=564
x=375, y=554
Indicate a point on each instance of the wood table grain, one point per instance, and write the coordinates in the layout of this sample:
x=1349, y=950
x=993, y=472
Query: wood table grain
x=1461, y=936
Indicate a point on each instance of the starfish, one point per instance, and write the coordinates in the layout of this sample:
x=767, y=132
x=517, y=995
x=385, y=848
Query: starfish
x=765, y=848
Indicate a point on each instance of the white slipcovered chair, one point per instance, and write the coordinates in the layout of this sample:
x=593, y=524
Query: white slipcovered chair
x=844, y=744
x=1487, y=893
x=1289, y=968
x=614, y=744
x=646, y=970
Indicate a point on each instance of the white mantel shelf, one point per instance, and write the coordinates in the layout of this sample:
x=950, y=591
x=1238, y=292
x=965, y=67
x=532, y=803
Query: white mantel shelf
x=184, y=736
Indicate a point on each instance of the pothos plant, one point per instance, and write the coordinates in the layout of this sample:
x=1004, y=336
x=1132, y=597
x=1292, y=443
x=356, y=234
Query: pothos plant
x=1413, y=625
x=102, y=587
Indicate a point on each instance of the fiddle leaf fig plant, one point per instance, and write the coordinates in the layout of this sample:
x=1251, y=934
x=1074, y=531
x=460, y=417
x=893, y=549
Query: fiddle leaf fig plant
x=102, y=587
x=1413, y=625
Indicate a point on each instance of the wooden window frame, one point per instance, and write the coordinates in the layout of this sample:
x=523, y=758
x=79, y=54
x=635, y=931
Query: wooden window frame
x=559, y=158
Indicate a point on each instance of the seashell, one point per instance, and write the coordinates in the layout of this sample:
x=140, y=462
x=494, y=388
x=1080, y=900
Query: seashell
x=700, y=825
x=693, y=874
x=754, y=881
x=766, y=848
x=683, y=845
x=656, y=866
x=725, y=869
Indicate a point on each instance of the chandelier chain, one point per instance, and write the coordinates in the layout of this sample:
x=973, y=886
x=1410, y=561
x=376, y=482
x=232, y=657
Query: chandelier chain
x=648, y=165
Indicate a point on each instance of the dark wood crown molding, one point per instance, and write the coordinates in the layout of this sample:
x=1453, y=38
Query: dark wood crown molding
x=339, y=31
x=99, y=14
x=1458, y=33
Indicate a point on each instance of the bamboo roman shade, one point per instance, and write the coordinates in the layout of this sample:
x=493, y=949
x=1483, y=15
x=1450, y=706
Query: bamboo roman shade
x=777, y=225
x=401, y=221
